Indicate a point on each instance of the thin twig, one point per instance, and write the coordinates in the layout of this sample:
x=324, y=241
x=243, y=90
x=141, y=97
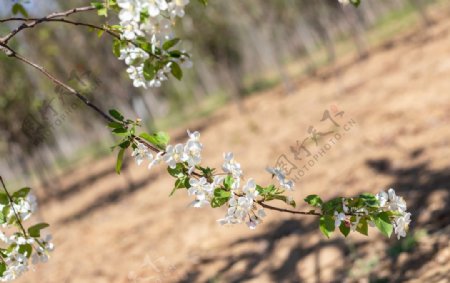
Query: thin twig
x=75, y=23
x=35, y=22
x=11, y=53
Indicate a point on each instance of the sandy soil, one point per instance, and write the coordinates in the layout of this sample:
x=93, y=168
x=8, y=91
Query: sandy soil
x=111, y=228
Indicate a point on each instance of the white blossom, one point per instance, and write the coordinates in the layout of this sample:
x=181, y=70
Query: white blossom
x=401, y=225
x=193, y=150
x=174, y=155
x=176, y=8
x=202, y=191
x=338, y=218
x=141, y=153
x=390, y=201
x=231, y=166
x=279, y=174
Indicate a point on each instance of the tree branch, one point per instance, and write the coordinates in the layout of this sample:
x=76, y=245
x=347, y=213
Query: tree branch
x=13, y=54
x=37, y=21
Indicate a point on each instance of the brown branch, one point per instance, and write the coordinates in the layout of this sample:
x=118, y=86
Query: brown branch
x=13, y=54
x=312, y=212
x=75, y=23
x=37, y=21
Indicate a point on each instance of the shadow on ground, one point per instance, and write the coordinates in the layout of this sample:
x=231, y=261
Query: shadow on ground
x=416, y=183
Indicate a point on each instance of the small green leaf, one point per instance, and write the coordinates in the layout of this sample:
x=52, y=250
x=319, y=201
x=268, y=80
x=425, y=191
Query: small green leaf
x=2, y=268
x=21, y=193
x=221, y=196
x=4, y=199
x=149, y=70
x=369, y=200
x=35, y=230
x=355, y=3
x=159, y=139
x=204, y=2
x=228, y=181
x=117, y=44
x=178, y=171
x=100, y=33
x=362, y=227
x=176, y=71
x=124, y=145
x=119, y=160
x=170, y=43
x=116, y=114
x=115, y=125
x=331, y=206
x=344, y=229
x=102, y=10
x=120, y=131
x=18, y=8
x=314, y=200
x=326, y=225
x=383, y=223
x=182, y=182
x=26, y=249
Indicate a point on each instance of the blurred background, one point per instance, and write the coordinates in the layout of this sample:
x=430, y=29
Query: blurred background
x=265, y=73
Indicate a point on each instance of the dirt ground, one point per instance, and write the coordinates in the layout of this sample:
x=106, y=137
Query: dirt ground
x=396, y=104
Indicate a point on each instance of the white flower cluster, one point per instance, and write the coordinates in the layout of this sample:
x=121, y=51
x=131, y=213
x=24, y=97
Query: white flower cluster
x=279, y=174
x=15, y=258
x=151, y=19
x=390, y=201
x=242, y=206
x=242, y=201
x=190, y=152
x=24, y=207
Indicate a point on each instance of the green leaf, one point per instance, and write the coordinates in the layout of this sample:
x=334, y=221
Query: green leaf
x=21, y=193
x=228, y=181
x=119, y=160
x=35, y=230
x=331, y=206
x=18, y=8
x=314, y=200
x=2, y=268
x=117, y=44
x=170, y=43
x=178, y=171
x=116, y=114
x=344, y=229
x=100, y=33
x=369, y=200
x=182, y=182
x=100, y=7
x=221, y=196
x=362, y=227
x=4, y=199
x=355, y=3
x=159, y=139
x=120, y=131
x=26, y=249
x=326, y=225
x=115, y=125
x=149, y=70
x=383, y=223
x=2, y=218
x=176, y=71
x=204, y=2
x=125, y=144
